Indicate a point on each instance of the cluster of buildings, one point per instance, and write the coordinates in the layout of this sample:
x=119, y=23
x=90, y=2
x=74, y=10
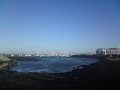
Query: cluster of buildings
x=41, y=55
x=109, y=51
x=99, y=52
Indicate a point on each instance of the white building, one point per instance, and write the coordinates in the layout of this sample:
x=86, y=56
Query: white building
x=101, y=51
x=27, y=55
x=12, y=55
x=113, y=51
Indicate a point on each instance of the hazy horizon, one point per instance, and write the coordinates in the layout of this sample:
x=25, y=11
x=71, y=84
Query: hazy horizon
x=76, y=26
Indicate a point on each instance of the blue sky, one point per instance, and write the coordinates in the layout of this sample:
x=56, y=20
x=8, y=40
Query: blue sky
x=76, y=26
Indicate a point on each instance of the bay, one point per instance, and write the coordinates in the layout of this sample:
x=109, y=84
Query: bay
x=52, y=64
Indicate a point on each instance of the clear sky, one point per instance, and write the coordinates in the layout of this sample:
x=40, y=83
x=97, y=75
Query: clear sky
x=77, y=26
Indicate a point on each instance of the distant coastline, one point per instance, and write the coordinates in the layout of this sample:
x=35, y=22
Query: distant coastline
x=23, y=58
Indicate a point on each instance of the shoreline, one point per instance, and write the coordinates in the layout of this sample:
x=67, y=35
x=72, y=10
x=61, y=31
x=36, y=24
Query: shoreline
x=104, y=73
x=81, y=62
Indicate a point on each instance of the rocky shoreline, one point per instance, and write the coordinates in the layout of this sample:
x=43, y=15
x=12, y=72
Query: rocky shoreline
x=7, y=62
x=104, y=74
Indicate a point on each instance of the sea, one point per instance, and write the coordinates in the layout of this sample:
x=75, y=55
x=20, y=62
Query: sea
x=52, y=64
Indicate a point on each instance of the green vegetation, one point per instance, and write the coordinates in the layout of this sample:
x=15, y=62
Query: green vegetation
x=4, y=59
x=4, y=62
x=112, y=57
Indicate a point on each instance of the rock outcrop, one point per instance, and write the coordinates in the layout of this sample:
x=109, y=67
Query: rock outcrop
x=4, y=59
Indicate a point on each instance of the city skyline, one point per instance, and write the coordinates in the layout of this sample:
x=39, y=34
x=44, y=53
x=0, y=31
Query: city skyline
x=76, y=26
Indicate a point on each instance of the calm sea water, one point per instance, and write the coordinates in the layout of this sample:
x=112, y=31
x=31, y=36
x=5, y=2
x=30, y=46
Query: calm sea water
x=52, y=64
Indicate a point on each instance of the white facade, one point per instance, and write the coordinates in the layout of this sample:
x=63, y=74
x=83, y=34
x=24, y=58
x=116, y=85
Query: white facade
x=101, y=51
x=113, y=51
